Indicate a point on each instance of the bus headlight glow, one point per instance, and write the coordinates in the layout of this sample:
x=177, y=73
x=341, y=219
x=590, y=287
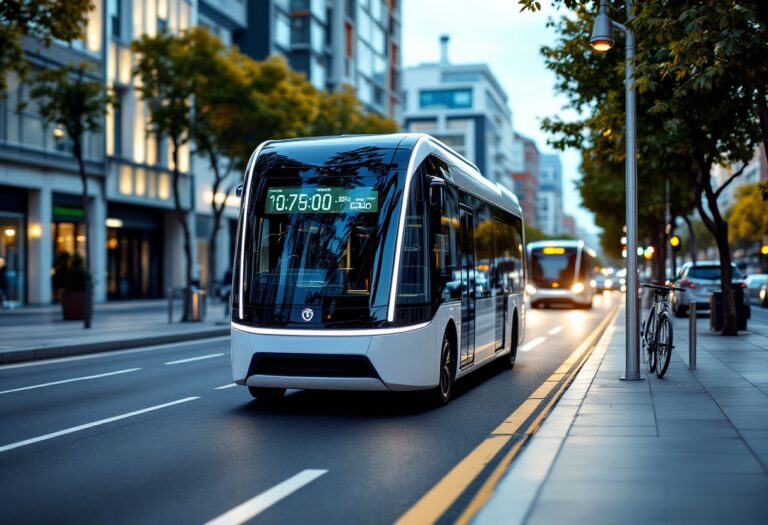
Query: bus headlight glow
x=577, y=288
x=608, y=283
x=531, y=289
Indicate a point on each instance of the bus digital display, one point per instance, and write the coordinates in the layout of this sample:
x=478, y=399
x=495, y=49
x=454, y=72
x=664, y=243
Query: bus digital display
x=321, y=200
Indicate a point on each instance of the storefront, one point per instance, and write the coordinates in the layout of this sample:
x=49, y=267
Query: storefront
x=134, y=252
x=12, y=245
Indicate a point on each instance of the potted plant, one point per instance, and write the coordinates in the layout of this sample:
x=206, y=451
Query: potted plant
x=69, y=279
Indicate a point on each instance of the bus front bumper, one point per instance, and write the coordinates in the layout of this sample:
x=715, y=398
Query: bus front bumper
x=404, y=361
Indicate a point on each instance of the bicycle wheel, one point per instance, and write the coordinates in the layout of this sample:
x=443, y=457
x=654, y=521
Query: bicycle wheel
x=663, y=344
x=648, y=339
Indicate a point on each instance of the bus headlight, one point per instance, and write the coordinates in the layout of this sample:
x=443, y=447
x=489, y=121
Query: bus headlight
x=531, y=289
x=577, y=288
x=608, y=283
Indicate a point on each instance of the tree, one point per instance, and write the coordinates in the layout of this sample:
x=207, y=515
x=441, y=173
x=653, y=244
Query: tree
x=44, y=20
x=748, y=216
x=166, y=66
x=240, y=103
x=70, y=98
x=593, y=85
x=340, y=113
x=709, y=109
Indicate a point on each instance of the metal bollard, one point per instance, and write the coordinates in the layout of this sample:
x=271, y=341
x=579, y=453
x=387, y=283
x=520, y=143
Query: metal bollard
x=692, y=335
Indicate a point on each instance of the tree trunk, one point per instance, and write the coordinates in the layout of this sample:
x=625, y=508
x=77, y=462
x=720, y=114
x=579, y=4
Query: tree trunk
x=218, y=211
x=719, y=229
x=88, y=303
x=181, y=215
x=692, y=243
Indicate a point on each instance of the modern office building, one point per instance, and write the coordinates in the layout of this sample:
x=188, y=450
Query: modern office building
x=549, y=201
x=334, y=42
x=135, y=234
x=526, y=178
x=464, y=106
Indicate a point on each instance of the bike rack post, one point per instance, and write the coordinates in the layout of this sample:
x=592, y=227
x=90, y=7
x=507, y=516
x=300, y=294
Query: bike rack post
x=692, y=335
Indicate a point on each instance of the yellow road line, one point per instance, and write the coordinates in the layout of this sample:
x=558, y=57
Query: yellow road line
x=434, y=503
x=486, y=490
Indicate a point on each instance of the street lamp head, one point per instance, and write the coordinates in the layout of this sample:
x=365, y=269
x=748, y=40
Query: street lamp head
x=602, y=31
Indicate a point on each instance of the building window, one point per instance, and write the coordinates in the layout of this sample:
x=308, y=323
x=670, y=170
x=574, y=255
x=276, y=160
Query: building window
x=282, y=31
x=348, y=39
x=422, y=126
x=446, y=98
x=300, y=30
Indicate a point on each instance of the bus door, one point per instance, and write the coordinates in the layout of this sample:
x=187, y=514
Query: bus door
x=499, y=283
x=467, y=287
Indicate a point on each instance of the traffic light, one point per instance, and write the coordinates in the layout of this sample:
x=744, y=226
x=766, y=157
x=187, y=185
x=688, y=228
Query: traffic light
x=674, y=241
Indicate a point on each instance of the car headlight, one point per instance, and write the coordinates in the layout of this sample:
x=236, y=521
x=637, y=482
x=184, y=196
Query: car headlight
x=531, y=289
x=577, y=288
x=762, y=294
x=623, y=288
x=608, y=283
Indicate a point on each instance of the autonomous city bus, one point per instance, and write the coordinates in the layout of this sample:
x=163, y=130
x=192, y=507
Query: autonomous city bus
x=379, y=262
x=561, y=272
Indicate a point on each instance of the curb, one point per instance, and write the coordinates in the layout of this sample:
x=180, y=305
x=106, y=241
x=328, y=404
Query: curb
x=523, y=479
x=51, y=352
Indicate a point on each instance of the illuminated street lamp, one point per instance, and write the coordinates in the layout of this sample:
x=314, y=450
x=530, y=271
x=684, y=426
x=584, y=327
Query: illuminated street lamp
x=602, y=41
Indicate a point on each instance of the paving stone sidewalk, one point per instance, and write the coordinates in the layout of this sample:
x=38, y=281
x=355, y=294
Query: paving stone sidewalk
x=689, y=448
x=43, y=335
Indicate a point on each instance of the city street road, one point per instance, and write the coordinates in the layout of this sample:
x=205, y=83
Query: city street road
x=162, y=436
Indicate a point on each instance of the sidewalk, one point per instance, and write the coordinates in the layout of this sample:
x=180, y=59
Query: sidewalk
x=689, y=448
x=33, y=333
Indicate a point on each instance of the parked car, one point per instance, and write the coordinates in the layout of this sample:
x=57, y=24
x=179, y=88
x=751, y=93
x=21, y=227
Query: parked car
x=700, y=280
x=757, y=287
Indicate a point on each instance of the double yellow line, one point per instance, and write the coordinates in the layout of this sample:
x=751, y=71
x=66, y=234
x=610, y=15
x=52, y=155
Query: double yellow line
x=440, y=497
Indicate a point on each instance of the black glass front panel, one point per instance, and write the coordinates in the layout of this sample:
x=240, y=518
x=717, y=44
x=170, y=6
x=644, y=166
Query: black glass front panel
x=320, y=242
x=553, y=266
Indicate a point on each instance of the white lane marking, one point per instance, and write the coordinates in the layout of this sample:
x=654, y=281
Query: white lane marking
x=85, y=426
x=530, y=345
x=164, y=346
x=198, y=358
x=556, y=330
x=84, y=378
x=225, y=386
x=255, y=506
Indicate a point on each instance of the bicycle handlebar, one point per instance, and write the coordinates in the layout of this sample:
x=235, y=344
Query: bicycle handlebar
x=663, y=287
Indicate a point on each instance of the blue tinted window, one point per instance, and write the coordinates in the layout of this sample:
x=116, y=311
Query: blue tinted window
x=446, y=98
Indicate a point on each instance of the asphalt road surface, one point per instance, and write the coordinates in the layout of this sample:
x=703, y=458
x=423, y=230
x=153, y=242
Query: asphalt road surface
x=162, y=436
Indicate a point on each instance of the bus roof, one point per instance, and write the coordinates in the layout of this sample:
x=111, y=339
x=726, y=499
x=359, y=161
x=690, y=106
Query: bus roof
x=408, y=150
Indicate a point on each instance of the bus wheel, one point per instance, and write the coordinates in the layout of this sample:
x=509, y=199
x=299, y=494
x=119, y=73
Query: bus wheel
x=441, y=394
x=513, y=347
x=265, y=393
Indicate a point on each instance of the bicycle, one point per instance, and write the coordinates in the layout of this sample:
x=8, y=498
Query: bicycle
x=656, y=331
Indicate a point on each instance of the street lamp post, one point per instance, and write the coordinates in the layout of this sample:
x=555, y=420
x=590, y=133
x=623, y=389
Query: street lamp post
x=602, y=41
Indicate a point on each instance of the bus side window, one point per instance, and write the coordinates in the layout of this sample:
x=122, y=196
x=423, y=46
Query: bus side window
x=497, y=271
x=518, y=251
x=509, y=265
x=447, y=247
x=414, y=265
x=483, y=251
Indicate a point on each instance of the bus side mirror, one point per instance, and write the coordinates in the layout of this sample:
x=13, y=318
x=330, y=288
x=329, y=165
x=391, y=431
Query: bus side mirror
x=436, y=188
x=239, y=190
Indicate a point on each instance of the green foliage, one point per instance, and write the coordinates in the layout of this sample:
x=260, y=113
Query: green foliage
x=594, y=87
x=748, y=217
x=71, y=98
x=44, y=20
x=341, y=113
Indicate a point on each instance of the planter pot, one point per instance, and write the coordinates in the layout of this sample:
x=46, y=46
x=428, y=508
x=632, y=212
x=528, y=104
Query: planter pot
x=73, y=305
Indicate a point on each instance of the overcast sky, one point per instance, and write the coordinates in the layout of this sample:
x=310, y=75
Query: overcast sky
x=495, y=32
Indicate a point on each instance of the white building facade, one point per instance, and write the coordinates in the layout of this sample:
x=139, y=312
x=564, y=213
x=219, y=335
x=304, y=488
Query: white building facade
x=549, y=201
x=464, y=106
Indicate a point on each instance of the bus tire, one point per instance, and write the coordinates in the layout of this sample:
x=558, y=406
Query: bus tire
x=441, y=394
x=266, y=393
x=509, y=362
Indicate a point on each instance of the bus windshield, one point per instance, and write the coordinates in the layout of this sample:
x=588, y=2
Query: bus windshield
x=553, y=266
x=320, y=244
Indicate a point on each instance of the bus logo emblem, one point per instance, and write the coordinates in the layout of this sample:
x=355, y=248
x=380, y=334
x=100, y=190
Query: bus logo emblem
x=307, y=314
